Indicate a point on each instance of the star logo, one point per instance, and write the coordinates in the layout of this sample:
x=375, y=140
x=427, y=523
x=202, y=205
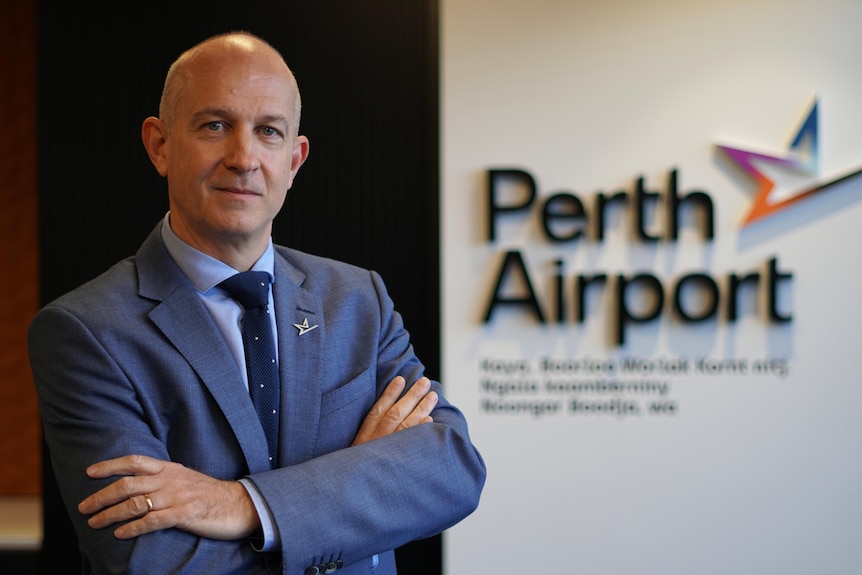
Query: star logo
x=785, y=179
x=303, y=327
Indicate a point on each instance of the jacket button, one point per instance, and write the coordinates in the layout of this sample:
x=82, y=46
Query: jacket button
x=330, y=567
x=313, y=570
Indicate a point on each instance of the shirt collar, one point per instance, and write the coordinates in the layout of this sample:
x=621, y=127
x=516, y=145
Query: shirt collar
x=204, y=271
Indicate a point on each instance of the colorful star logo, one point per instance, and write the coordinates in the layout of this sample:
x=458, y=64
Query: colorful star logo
x=801, y=159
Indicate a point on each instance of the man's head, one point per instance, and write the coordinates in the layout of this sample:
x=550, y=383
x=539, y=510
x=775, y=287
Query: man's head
x=178, y=75
x=227, y=141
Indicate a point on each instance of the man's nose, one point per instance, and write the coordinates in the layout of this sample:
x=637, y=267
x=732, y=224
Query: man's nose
x=240, y=155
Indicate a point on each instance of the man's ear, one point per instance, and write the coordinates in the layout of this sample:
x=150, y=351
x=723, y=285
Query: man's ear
x=154, y=133
x=298, y=157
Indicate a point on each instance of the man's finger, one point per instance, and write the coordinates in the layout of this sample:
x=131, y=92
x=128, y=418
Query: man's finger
x=389, y=396
x=117, y=492
x=382, y=406
x=422, y=412
x=399, y=413
x=126, y=465
x=130, y=508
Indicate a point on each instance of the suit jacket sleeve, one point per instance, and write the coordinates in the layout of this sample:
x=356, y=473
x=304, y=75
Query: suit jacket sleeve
x=408, y=485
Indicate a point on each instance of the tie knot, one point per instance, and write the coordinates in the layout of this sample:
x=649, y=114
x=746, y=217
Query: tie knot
x=250, y=289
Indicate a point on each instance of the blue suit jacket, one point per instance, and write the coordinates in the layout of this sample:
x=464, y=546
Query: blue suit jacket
x=131, y=362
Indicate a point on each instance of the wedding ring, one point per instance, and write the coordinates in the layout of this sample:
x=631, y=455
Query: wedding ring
x=149, y=502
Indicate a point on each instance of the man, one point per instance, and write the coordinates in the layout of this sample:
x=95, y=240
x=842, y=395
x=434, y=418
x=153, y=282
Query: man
x=159, y=453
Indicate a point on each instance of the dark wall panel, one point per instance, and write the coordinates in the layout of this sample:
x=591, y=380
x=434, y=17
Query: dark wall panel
x=367, y=70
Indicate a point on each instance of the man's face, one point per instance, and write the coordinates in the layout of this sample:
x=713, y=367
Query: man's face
x=230, y=153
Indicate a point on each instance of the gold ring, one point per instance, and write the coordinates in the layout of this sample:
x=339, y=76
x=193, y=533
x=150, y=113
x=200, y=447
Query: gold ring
x=149, y=502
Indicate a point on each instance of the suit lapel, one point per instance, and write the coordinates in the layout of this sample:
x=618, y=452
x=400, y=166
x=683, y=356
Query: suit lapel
x=184, y=320
x=300, y=354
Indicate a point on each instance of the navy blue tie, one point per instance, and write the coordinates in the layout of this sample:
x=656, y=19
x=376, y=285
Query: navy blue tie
x=251, y=290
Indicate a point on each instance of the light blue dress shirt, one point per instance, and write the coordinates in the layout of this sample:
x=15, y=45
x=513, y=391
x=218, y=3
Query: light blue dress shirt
x=205, y=273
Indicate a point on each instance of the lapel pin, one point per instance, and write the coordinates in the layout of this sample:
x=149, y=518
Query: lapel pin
x=303, y=327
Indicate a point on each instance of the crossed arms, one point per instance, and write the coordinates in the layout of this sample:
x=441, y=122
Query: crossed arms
x=186, y=499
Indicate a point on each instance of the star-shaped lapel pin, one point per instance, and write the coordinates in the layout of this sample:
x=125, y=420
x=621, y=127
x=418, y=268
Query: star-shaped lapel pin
x=303, y=327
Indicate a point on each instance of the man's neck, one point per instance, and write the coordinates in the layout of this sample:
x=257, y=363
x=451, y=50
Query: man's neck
x=238, y=251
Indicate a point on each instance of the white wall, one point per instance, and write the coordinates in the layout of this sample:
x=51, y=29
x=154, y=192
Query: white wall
x=753, y=472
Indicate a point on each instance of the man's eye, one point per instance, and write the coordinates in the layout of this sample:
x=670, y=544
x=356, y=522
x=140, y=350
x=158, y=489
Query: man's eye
x=215, y=126
x=269, y=131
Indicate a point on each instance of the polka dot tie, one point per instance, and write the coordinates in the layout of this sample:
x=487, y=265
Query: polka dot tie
x=251, y=291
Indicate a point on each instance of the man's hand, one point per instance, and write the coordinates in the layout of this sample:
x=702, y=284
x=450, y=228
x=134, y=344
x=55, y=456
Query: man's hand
x=390, y=414
x=180, y=497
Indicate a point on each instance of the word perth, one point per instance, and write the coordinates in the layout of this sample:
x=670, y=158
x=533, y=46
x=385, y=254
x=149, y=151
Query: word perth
x=694, y=297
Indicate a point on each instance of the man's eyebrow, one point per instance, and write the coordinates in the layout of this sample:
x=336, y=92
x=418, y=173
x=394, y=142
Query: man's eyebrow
x=273, y=119
x=208, y=113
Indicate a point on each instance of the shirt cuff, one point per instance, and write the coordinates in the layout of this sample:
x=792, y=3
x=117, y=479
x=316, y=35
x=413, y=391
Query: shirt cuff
x=270, y=541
